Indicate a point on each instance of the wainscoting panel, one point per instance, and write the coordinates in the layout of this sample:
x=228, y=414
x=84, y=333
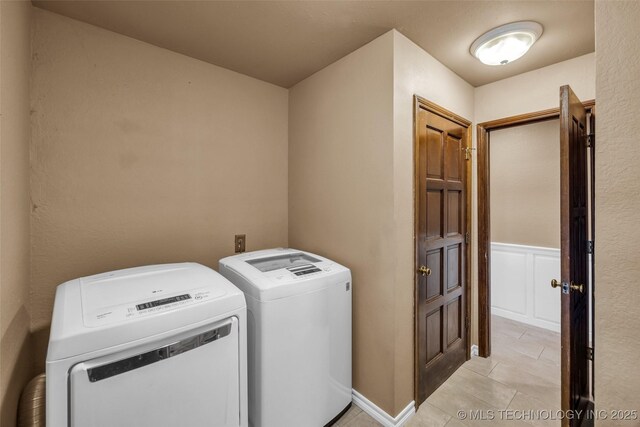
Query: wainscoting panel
x=520, y=289
x=509, y=280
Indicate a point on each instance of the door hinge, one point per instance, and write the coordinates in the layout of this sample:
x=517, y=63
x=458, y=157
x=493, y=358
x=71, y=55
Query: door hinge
x=466, y=238
x=467, y=153
x=589, y=246
x=590, y=139
x=468, y=323
x=590, y=353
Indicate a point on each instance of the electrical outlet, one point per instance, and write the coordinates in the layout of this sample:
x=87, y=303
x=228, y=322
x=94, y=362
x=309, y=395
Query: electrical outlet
x=240, y=242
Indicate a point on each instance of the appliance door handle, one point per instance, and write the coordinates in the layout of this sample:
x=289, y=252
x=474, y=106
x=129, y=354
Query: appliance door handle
x=108, y=370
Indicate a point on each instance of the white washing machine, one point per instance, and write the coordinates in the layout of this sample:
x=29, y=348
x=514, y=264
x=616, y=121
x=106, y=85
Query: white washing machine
x=299, y=336
x=161, y=345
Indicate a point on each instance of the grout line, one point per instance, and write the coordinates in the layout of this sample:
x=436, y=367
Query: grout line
x=543, y=347
x=513, y=397
x=494, y=367
x=486, y=379
x=500, y=382
x=471, y=370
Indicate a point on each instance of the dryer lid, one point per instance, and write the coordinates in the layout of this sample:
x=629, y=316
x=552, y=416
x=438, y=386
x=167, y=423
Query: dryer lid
x=109, y=309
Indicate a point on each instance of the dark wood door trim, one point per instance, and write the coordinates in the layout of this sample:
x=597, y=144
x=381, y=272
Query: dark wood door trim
x=483, y=131
x=421, y=103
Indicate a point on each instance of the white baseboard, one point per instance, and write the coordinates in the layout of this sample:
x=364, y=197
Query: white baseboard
x=474, y=350
x=523, y=319
x=381, y=416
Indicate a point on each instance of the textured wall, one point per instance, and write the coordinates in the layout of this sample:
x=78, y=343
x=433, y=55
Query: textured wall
x=341, y=196
x=15, y=62
x=617, y=238
x=525, y=185
x=141, y=155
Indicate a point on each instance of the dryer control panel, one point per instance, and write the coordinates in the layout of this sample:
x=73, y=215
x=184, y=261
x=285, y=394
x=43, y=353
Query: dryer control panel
x=163, y=301
x=138, y=309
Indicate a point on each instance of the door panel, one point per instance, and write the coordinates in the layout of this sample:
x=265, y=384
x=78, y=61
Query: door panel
x=454, y=327
x=434, y=281
x=453, y=264
x=453, y=161
x=454, y=221
x=434, y=214
x=434, y=154
x=440, y=217
x=434, y=331
x=141, y=385
x=574, y=264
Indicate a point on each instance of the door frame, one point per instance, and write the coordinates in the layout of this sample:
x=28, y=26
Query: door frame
x=424, y=104
x=483, y=131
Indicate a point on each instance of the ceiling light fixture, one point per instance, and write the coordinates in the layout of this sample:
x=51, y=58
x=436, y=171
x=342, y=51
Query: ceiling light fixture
x=506, y=43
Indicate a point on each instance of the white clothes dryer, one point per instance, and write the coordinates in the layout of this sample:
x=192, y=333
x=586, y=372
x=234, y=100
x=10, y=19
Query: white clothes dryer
x=161, y=345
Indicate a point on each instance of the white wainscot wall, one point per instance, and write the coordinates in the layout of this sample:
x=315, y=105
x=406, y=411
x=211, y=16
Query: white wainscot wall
x=520, y=284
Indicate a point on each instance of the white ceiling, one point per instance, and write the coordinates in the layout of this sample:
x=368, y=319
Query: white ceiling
x=283, y=42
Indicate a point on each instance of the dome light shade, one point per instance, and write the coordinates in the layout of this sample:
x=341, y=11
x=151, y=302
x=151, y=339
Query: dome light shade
x=506, y=43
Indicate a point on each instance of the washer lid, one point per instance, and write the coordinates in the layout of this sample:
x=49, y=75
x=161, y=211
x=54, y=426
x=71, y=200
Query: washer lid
x=280, y=273
x=289, y=260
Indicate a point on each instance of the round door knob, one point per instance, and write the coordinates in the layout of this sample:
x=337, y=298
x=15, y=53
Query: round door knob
x=577, y=287
x=425, y=271
x=566, y=287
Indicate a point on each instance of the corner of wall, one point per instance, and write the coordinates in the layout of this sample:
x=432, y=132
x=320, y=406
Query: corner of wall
x=16, y=367
x=341, y=195
x=416, y=72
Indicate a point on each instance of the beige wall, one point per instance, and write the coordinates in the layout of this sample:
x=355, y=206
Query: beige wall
x=415, y=73
x=341, y=196
x=141, y=155
x=525, y=185
x=536, y=90
x=15, y=351
x=617, y=238
x=351, y=193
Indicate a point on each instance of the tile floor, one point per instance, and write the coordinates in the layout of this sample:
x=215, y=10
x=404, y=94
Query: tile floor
x=523, y=373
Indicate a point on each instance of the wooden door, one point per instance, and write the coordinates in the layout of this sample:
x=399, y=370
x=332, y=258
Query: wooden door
x=441, y=324
x=574, y=252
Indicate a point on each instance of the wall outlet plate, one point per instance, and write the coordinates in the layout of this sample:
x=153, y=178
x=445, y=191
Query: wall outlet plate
x=240, y=243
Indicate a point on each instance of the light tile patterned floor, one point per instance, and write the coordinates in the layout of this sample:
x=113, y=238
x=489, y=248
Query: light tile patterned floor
x=523, y=373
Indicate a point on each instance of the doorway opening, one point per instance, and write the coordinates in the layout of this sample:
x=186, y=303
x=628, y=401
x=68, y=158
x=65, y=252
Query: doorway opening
x=525, y=257
x=506, y=271
x=484, y=131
